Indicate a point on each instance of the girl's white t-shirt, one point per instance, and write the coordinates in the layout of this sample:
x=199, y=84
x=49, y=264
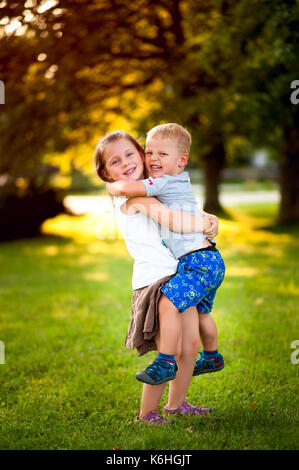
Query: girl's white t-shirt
x=152, y=259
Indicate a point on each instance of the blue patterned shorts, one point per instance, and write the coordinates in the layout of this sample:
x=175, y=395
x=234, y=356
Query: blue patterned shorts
x=198, y=276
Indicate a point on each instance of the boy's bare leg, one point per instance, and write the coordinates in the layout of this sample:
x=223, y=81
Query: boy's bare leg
x=186, y=359
x=208, y=331
x=170, y=326
x=151, y=394
x=210, y=359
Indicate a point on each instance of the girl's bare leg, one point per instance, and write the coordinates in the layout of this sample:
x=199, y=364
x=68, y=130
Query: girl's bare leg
x=186, y=359
x=150, y=399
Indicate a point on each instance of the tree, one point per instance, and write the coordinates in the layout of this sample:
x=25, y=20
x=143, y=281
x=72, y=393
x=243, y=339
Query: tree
x=233, y=79
x=263, y=54
x=70, y=67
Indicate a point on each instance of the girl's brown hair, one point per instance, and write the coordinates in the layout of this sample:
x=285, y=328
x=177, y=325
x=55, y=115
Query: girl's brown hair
x=102, y=144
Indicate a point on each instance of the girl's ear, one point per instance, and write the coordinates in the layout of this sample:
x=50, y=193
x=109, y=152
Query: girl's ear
x=184, y=159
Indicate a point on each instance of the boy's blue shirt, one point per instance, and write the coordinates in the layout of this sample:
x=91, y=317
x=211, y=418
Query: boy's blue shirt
x=176, y=193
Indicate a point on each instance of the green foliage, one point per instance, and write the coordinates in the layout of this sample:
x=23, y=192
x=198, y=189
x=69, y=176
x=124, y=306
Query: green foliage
x=74, y=71
x=221, y=68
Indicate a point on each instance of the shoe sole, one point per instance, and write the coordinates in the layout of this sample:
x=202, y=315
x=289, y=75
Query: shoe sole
x=148, y=380
x=207, y=371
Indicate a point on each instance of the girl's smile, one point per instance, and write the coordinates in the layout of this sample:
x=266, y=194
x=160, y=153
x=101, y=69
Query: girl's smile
x=130, y=171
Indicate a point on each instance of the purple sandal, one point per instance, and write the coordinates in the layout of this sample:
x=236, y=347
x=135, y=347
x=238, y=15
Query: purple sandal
x=152, y=418
x=187, y=409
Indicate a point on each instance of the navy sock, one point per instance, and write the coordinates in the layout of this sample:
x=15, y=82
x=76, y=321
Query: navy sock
x=166, y=357
x=209, y=354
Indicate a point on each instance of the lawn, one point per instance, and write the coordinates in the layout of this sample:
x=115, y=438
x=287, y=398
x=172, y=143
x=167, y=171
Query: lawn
x=69, y=383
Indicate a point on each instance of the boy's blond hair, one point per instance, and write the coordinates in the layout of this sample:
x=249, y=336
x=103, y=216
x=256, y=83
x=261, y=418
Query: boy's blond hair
x=172, y=131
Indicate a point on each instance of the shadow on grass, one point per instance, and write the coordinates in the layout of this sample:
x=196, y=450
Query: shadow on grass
x=54, y=238
x=291, y=228
x=225, y=214
x=42, y=237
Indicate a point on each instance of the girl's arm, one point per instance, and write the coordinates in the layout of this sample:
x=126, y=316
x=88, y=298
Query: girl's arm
x=126, y=188
x=175, y=220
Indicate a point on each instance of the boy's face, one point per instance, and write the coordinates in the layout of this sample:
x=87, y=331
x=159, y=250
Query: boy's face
x=162, y=157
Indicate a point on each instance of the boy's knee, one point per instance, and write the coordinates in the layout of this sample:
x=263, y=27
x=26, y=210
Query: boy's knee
x=208, y=336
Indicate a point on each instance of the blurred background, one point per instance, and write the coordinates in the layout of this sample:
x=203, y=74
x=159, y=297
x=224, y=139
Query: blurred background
x=74, y=70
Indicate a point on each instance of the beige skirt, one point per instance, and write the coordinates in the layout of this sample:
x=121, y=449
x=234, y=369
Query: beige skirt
x=144, y=321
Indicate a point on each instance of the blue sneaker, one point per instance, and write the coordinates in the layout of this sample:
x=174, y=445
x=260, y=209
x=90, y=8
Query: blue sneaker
x=158, y=372
x=203, y=365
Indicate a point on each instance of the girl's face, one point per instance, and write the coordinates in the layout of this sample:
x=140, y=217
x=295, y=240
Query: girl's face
x=123, y=161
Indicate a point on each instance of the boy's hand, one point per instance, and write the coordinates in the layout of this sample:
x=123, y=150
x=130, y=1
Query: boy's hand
x=212, y=231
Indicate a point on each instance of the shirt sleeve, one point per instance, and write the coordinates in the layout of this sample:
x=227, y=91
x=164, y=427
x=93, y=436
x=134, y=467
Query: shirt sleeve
x=155, y=186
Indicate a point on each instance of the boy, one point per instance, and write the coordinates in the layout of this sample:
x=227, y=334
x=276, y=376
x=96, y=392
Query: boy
x=201, y=268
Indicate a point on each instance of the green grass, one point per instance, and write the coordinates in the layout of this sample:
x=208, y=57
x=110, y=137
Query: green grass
x=69, y=383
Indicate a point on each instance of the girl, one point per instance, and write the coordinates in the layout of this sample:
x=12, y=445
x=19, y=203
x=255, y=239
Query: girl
x=118, y=156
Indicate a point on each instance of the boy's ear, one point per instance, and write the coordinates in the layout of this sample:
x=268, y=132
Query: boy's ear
x=184, y=159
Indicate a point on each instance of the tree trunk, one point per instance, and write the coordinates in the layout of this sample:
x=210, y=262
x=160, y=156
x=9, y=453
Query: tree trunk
x=289, y=175
x=213, y=164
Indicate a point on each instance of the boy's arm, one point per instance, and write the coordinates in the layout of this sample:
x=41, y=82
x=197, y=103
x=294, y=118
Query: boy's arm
x=175, y=220
x=126, y=188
